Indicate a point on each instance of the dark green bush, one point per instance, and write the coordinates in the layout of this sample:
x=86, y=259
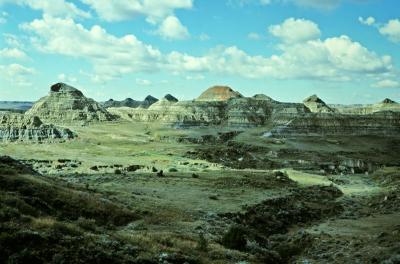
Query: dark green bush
x=235, y=238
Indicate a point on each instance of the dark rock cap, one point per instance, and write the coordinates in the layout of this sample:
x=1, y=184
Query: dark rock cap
x=388, y=101
x=150, y=98
x=170, y=98
x=262, y=97
x=65, y=88
x=313, y=99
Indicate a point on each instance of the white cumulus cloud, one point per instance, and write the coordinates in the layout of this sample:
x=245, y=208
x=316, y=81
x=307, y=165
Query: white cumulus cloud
x=12, y=53
x=16, y=74
x=111, y=56
x=391, y=30
x=302, y=56
x=51, y=7
x=15, y=70
x=171, y=28
x=295, y=30
x=154, y=10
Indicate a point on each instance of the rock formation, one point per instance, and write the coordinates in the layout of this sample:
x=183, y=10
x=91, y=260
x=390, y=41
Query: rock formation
x=237, y=111
x=388, y=101
x=385, y=105
x=218, y=93
x=65, y=105
x=19, y=127
x=221, y=106
x=148, y=101
x=170, y=98
x=129, y=102
x=316, y=105
x=379, y=123
x=164, y=103
x=263, y=97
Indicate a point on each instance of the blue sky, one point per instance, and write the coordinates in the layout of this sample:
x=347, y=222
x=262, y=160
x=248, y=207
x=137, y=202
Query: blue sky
x=346, y=51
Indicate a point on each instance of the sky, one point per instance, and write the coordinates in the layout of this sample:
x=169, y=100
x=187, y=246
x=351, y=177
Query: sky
x=345, y=51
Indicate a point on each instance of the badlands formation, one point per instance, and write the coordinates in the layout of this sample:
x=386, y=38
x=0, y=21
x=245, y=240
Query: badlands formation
x=19, y=127
x=129, y=102
x=222, y=106
x=222, y=178
x=66, y=104
x=218, y=106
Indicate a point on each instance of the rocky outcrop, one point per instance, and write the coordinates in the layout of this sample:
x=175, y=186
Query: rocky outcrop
x=235, y=112
x=129, y=102
x=385, y=105
x=164, y=103
x=18, y=127
x=380, y=123
x=66, y=105
x=263, y=97
x=388, y=101
x=218, y=93
x=170, y=98
x=316, y=105
x=222, y=106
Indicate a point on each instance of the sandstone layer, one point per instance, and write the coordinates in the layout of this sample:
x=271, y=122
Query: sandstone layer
x=385, y=105
x=235, y=112
x=19, y=127
x=379, y=123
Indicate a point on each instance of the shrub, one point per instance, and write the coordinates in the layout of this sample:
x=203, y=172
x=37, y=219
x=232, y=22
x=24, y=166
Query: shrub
x=172, y=170
x=235, y=238
x=65, y=229
x=87, y=224
x=202, y=243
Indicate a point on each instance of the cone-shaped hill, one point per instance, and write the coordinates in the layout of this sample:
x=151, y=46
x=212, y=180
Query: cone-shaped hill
x=388, y=101
x=164, y=102
x=218, y=93
x=170, y=98
x=66, y=104
x=129, y=102
x=263, y=97
x=316, y=105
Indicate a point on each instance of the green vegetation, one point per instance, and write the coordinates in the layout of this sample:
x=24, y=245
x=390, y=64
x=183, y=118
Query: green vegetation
x=224, y=196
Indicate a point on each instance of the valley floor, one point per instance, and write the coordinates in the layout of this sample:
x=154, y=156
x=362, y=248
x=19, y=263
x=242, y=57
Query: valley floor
x=222, y=197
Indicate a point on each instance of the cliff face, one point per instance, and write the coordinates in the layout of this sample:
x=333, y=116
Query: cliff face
x=380, y=123
x=18, y=127
x=65, y=105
